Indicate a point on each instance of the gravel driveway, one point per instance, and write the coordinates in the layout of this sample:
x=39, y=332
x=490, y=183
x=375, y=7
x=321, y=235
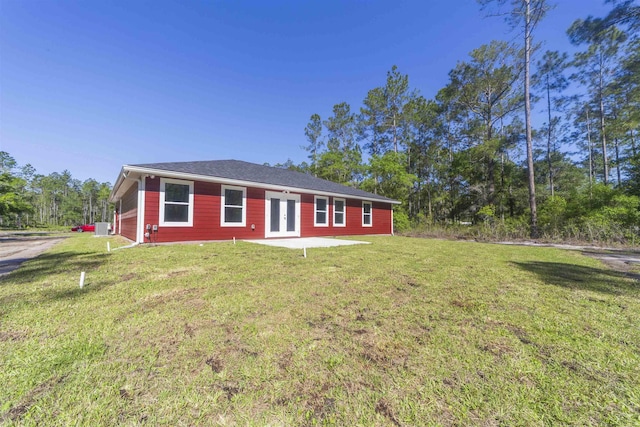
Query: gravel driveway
x=16, y=248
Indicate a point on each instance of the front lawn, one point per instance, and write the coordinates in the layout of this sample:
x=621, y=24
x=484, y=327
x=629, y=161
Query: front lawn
x=399, y=332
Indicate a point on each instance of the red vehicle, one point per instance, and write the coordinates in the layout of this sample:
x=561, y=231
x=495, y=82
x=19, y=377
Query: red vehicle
x=84, y=227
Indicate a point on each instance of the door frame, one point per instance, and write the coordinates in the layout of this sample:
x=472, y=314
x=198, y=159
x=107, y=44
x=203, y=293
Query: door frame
x=283, y=197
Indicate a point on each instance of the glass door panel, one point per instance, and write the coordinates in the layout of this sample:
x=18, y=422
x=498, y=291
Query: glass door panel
x=275, y=215
x=291, y=215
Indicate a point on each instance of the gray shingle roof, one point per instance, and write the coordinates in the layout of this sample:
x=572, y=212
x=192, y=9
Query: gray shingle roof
x=244, y=171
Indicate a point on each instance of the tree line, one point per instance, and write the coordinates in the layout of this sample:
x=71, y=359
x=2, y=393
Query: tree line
x=471, y=154
x=29, y=199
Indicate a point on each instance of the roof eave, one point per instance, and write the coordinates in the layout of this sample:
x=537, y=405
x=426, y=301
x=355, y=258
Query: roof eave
x=116, y=186
x=207, y=178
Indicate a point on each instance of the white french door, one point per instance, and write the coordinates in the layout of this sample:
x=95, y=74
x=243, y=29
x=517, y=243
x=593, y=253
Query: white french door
x=282, y=214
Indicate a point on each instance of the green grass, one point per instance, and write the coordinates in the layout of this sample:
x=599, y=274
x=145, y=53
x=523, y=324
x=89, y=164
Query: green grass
x=400, y=332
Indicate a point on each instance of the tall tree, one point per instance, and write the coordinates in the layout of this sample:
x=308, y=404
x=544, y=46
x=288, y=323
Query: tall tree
x=485, y=92
x=7, y=163
x=526, y=14
x=341, y=162
x=371, y=122
x=89, y=190
x=595, y=68
x=624, y=13
x=550, y=78
x=397, y=99
x=313, y=132
x=13, y=201
x=431, y=160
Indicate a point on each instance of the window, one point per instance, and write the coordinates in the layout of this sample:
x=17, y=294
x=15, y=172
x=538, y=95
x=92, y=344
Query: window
x=233, y=206
x=322, y=208
x=367, y=214
x=176, y=203
x=339, y=208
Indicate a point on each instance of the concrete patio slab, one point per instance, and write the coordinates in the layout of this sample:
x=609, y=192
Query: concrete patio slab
x=308, y=242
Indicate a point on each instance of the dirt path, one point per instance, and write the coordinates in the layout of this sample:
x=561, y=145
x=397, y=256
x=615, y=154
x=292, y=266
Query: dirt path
x=623, y=260
x=18, y=248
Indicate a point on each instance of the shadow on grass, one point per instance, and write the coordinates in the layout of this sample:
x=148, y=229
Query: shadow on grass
x=53, y=263
x=582, y=277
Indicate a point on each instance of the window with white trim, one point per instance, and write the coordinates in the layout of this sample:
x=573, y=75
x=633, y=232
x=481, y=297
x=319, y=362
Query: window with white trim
x=367, y=214
x=339, y=212
x=321, y=211
x=176, y=203
x=233, y=205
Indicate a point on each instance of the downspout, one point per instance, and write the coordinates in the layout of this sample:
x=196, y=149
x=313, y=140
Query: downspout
x=392, y=233
x=140, y=218
x=120, y=218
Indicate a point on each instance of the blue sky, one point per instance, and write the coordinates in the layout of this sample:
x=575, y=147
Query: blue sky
x=91, y=85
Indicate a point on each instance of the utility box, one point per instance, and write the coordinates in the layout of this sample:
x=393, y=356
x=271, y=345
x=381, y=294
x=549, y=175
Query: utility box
x=102, y=228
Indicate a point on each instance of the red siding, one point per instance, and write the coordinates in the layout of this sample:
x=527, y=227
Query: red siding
x=206, y=218
x=206, y=215
x=130, y=212
x=381, y=219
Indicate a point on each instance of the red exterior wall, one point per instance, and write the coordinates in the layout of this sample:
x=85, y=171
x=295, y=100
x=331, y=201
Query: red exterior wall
x=129, y=213
x=206, y=216
x=381, y=219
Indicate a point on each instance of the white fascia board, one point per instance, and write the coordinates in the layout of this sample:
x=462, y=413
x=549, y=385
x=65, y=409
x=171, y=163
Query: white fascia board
x=124, y=181
x=242, y=183
x=116, y=186
x=123, y=187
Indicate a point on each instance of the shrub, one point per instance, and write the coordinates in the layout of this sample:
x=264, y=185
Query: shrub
x=401, y=221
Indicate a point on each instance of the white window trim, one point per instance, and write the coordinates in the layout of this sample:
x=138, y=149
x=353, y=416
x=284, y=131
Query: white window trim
x=344, y=212
x=370, y=214
x=244, y=206
x=315, y=211
x=189, y=222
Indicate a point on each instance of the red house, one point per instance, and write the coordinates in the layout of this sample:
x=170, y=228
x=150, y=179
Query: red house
x=223, y=199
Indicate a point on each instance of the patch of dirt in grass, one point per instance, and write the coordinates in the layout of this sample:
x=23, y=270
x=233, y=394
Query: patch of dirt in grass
x=384, y=408
x=12, y=335
x=549, y=356
x=17, y=411
x=520, y=333
x=410, y=281
x=177, y=295
x=188, y=330
x=322, y=407
x=451, y=382
x=318, y=405
x=386, y=356
x=128, y=276
x=421, y=333
x=175, y=273
x=231, y=389
x=215, y=362
x=497, y=348
x=466, y=305
x=285, y=360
